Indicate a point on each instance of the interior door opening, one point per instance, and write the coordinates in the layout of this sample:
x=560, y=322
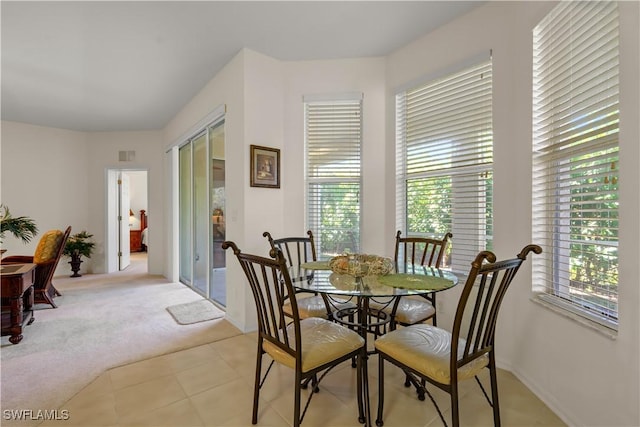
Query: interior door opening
x=127, y=242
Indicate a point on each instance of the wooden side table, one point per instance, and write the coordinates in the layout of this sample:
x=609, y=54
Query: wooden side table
x=17, y=298
x=135, y=240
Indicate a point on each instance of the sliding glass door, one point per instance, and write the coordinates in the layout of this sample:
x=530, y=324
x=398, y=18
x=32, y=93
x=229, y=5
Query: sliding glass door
x=201, y=218
x=202, y=226
x=186, y=214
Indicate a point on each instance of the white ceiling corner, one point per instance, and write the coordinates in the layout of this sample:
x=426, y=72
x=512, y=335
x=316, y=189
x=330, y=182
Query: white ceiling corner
x=132, y=65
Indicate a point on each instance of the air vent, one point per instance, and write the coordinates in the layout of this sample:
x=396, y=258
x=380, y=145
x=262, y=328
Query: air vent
x=126, y=156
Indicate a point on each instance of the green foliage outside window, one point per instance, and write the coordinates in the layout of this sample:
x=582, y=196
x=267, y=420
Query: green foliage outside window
x=594, y=229
x=429, y=206
x=339, y=230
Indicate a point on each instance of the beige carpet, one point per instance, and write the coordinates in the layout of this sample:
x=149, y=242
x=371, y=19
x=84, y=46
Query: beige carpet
x=102, y=321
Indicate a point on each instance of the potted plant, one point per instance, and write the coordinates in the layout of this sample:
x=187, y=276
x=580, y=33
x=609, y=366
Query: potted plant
x=22, y=227
x=78, y=245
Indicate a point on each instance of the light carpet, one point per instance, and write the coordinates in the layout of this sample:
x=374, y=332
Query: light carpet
x=195, y=312
x=102, y=321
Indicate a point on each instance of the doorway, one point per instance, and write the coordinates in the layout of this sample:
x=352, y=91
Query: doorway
x=127, y=219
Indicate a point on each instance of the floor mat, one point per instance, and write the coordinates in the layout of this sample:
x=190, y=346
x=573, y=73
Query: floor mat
x=195, y=312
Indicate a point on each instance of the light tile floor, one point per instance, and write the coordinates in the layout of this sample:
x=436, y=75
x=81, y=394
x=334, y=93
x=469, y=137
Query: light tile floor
x=212, y=385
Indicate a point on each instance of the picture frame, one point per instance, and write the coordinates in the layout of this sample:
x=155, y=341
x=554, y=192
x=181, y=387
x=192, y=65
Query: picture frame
x=265, y=167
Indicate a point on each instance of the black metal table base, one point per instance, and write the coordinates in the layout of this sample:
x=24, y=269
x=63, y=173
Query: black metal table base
x=369, y=321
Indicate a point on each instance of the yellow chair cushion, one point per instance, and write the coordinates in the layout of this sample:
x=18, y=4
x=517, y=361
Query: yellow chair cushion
x=322, y=342
x=427, y=349
x=48, y=247
x=410, y=310
x=313, y=307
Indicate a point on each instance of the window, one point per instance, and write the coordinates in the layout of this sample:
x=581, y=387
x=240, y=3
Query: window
x=575, y=159
x=444, y=162
x=333, y=136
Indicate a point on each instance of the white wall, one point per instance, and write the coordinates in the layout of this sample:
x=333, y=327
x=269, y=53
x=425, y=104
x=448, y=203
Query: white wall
x=225, y=90
x=263, y=99
x=103, y=149
x=58, y=177
x=363, y=75
x=43, y=177
x=264, y=125
x=584, y=376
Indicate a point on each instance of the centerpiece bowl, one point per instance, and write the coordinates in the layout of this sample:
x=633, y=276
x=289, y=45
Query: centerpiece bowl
x=360, y=265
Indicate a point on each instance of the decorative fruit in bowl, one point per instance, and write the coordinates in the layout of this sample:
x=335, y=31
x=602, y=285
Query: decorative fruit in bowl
x=360, y=265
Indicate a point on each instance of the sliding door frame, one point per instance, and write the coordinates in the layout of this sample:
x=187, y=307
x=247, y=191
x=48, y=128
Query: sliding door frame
x=206, y=251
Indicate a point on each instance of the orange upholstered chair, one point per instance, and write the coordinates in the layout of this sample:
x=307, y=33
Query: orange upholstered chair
x=46, y=257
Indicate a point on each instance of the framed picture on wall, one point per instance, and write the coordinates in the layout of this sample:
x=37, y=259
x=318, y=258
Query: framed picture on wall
x=265, y=167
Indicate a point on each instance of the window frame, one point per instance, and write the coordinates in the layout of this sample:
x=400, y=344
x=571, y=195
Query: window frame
x=346, y=169
x=470, y=152
x=576, y=151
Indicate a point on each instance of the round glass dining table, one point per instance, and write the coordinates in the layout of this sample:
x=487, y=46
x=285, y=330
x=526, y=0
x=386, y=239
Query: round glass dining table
x=336, y=289
x=408, y=279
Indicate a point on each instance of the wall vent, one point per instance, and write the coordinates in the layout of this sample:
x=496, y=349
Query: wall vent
x=126, y=156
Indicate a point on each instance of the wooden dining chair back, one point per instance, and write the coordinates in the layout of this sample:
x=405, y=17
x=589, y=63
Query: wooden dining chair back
x=421, y=250
x=418, y=251
x=296, y=250
x=445, y=358
x=46, y=258
x=311, y=347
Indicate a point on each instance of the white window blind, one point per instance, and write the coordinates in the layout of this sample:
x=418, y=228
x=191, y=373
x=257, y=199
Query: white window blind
x=333, y=137
x=444, y=162
x=575, y=159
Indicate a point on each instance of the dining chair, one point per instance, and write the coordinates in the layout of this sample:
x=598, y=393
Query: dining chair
x=411, y=310
x=296, y=251
x=445, y=358
x=311, y=346
x=46, y=258
x=418, y=251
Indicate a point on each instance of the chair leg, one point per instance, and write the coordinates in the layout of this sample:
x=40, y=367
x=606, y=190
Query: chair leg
x=256, y=387
x=314, y=383
x=494, y=390
x=359, y=388
x=354, y=362
x=455, y=415
x=379, y=421
x=434, y=318
x=419, y=385
x=296, y=400
x=45, y=298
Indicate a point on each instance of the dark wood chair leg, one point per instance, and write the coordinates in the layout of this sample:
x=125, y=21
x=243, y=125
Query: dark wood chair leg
x=359, y=389
x=379, y=421
x=494, y=390
x=256, y=387
x=45, y=298
x=296, y=403
x=455, y=415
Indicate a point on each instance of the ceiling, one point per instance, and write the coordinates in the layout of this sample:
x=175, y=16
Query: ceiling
x=124, y=66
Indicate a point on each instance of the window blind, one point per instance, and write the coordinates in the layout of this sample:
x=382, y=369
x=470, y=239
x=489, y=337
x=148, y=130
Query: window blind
x=333, y=137
x=575, y=159
x=444, y=162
